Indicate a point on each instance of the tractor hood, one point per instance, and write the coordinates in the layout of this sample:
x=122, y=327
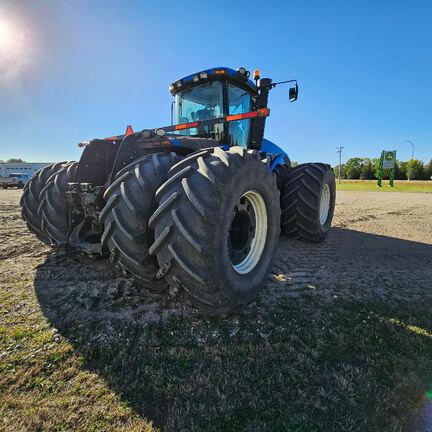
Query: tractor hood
x=102, y=159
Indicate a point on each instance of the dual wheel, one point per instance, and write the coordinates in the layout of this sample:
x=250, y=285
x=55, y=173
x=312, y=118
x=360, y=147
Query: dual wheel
x=210, y=222
x=308, y=201
x=44, y=205
x=216, y=226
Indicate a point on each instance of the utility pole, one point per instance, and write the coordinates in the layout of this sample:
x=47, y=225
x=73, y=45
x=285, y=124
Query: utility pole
x=339, y=150
x=412, y=158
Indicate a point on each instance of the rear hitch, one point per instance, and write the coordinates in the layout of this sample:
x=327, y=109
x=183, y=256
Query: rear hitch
x=85, y=204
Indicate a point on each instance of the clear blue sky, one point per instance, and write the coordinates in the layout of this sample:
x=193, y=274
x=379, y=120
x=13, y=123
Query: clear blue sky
x=86, y=68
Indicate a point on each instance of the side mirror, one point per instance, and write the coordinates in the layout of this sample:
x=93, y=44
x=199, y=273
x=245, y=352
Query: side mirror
x=293, y=93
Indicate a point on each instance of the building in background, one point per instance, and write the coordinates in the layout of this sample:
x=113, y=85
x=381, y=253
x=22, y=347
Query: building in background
x=28, y=168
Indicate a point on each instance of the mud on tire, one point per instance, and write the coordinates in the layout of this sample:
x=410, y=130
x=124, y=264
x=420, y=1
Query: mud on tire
x=308, y=201
x=54, y=206
x=198, y=242
x=130, y=202
x=30, y=200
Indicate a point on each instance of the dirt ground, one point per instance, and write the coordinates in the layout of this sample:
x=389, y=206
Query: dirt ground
x=380, y=247
x=380, y=244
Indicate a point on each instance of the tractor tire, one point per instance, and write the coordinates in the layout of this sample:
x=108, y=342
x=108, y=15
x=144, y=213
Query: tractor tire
x=54, y=206
x=130, y=201
x=217, y=226
x=308, y=201
x=30, y=200
x=282, y=173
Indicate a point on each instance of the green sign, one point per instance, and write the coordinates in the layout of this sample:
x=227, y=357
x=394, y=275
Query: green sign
x=388, y=161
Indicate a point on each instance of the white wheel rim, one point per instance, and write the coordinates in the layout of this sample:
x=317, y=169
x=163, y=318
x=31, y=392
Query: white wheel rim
x=258, y=238
x=324, y=204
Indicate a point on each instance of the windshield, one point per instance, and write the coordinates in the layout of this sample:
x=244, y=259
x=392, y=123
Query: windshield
x=201, y=103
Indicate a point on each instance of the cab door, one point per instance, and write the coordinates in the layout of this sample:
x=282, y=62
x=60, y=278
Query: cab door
x=239, y=101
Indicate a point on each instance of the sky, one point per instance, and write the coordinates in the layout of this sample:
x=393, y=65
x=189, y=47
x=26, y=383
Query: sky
x=72, y=70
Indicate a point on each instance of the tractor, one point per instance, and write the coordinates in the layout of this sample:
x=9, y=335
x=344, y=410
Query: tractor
x=198, y=205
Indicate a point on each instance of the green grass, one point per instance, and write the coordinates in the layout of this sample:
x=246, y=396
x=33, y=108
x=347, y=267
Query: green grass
x=301, y=366
x=44, y=385
x=399, y=186
x=304, y=366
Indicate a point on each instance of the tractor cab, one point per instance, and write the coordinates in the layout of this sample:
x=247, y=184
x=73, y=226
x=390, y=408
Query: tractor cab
x=212, y=94
x=218, y=107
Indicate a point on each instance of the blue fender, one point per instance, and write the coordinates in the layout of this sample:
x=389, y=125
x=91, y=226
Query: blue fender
x=278, y=156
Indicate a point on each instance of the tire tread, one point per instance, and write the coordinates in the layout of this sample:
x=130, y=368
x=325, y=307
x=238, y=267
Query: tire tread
x=300, y=201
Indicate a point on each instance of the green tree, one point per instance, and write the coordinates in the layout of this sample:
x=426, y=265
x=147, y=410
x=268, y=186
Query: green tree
x=401, y=170
x=376, y=164
x=14, y=160
x=428, y=170
x=353, y=168
x=336, y=171
x=367, y=170
x=415, y=169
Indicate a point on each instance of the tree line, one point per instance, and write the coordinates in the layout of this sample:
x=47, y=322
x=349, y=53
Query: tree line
x=367, y=169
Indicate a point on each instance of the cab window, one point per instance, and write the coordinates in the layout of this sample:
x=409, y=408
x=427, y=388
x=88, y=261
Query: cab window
x=201, y=103
x=239, y=101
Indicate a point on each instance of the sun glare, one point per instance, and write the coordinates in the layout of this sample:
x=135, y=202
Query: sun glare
x=6, y=34
x=14, y=49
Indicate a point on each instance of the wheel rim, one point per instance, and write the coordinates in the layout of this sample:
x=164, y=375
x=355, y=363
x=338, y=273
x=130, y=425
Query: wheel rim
x=324, y=204
x=247, y=233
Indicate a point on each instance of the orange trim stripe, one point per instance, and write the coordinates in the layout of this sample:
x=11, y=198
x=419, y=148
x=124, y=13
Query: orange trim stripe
x=186, y=125
x=242, y=116
x=262, y=112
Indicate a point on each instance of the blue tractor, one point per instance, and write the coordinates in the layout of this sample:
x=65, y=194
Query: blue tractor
x=197, y=205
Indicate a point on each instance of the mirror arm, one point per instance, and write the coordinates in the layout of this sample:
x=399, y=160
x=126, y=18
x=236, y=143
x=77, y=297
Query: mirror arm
x=282, y=82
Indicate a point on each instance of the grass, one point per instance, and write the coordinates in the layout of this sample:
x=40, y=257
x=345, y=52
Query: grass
x=43, y=383
x=399, y=186
x=303, y=366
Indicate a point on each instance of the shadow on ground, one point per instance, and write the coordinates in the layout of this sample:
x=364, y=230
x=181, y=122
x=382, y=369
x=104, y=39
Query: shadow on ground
x=340, y=339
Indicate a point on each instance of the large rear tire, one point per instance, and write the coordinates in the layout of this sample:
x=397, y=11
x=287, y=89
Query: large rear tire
x=30, y=200
x=54, y=205
x=217, y=226
x=308, y=202
x=130, y=202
